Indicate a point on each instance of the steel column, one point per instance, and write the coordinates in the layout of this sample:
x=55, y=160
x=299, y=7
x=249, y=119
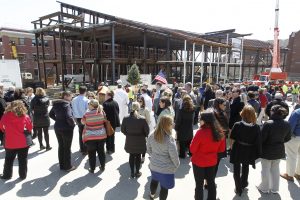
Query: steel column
x=193, y=64
x=44, y=64
x=202, y=63
x=113, y=53
x=38, y=55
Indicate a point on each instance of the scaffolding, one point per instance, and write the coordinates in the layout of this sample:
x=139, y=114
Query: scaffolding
x=104, y=46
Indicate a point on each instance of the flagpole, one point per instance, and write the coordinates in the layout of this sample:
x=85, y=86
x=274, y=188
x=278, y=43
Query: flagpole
x=184, y=62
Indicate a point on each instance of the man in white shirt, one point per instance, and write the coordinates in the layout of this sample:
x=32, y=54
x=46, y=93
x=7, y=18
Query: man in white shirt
x=121, y=97
x=79, y=108
x=148, y=100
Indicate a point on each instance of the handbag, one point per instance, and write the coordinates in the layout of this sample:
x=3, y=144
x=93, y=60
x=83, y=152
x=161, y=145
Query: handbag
x=28, y=137
x=109, y=129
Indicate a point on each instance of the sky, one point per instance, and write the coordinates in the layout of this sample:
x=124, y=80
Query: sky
x=246, y=16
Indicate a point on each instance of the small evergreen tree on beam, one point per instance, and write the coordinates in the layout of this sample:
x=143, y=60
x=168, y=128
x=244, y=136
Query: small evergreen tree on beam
x=134, y=75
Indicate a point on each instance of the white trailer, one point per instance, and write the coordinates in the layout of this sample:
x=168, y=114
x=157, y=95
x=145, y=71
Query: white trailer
x=10, y=74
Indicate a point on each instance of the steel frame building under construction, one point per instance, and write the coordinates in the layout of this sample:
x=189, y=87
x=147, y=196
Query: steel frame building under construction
x=104, y=46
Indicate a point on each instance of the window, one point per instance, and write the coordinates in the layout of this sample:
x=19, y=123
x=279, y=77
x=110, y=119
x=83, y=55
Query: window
x=33, y=42
x=0, y=41
x=21, y=41
x=21, y=58
x=14, y=40
x=46, y=43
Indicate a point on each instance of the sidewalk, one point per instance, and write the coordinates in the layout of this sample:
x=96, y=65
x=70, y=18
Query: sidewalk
x=46, y=181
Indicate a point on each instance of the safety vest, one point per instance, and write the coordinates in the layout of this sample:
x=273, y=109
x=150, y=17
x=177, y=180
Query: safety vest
x=295, y=90
x=285, y=89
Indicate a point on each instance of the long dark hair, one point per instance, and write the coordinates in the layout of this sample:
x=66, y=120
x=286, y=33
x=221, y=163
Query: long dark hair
x=166, y=101
x=141, y=99
x=211, y=122
x=217, y=103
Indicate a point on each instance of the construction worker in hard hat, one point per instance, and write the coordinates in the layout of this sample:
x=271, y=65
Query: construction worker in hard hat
x=295, y=92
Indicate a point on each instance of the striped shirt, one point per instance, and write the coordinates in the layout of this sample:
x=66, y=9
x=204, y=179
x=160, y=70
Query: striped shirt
x=94, y=126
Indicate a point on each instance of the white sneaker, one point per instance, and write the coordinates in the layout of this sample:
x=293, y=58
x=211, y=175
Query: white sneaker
x=152, y=196
x=274, y=192
x=262, y=191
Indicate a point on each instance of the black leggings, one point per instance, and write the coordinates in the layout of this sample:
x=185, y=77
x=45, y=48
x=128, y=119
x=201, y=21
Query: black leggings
x=240, y=180
x=135, y=160
x=163, y=194
x=40, y=131
x=208, y=173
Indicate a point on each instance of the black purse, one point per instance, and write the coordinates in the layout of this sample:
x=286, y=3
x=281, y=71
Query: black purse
x=28, y=137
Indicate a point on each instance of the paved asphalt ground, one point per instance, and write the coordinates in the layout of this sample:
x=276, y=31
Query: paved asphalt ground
x=46, y=181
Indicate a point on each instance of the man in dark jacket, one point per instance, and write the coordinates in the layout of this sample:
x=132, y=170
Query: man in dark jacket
x=111, y=109
x=236, y=107
x=61, y=113
x=253, y=102
x=9, y=95
x=277, y=101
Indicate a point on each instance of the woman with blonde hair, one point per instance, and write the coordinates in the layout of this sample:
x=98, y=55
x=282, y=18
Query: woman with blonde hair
x=136, y=129
x=13, y=123
x=90, y=95
x=164, y=159
x=246, y=147
x=94, y=134
x=39, y=106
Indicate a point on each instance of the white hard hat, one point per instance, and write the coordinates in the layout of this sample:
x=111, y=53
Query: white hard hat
x=119, y=82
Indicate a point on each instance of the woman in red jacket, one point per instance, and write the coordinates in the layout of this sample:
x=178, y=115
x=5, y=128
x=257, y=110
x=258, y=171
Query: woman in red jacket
x=13, y=123
x=207, y=143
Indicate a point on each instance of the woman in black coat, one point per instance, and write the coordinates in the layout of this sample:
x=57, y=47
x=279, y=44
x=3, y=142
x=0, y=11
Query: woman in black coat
x=219, y=108
x=184, y=125
x=136, y=129
x=235, y=107
x=61, y=113
x=111, y=109
x=275, y=133
x=41, y=121
x=246, y=147
x=207, y=95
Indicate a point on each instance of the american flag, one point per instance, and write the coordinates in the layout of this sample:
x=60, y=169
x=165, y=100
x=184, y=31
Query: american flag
x=161, y=77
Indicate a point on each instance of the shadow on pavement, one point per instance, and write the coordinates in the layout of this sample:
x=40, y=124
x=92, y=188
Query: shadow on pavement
x=126, y=188
x=294, y=190
x=184, y=168
x=73, y=188
x=243, y=197
x=269, y=197
x=108, y=158
x=77, y=158
x=36, y=153
x=224, y=167
x=147, y=188
x=42, y=186
x=2, y=154
x=7, y=186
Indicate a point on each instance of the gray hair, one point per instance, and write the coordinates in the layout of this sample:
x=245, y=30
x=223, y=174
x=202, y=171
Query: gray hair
x=219, y=93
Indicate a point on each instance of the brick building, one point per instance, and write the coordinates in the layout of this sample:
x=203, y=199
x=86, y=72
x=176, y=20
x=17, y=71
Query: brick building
x=25, y=46
x=293, y=58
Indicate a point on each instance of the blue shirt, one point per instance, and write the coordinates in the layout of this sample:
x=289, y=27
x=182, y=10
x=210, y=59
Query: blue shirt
x=294, y=121
x=79, y=106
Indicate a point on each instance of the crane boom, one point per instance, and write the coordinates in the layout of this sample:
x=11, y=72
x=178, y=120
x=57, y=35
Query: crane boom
x=276, y=51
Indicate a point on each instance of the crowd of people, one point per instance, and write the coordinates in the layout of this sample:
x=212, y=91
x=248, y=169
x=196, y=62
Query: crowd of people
x=244, y=122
